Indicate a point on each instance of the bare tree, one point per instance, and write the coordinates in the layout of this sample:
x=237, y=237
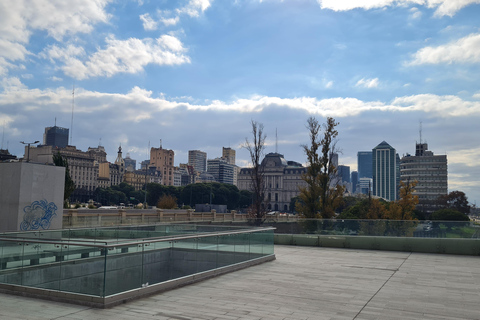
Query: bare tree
x=257, y=211
x=323, y=194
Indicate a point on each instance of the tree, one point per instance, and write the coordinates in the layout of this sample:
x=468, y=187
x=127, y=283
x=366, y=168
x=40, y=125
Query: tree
x=449, y=215
x=167, y=202
x=60, y=161
x=323, y=194
x=404, y=207
x=257, y=211
x=455, y=200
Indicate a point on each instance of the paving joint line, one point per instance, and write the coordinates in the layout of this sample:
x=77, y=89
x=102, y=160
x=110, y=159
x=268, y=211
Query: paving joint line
x=386, y=281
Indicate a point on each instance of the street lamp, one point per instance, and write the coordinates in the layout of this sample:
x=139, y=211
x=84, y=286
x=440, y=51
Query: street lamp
x=28, y=151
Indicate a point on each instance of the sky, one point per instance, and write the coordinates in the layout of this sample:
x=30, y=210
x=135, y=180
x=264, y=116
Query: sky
x=193, y=74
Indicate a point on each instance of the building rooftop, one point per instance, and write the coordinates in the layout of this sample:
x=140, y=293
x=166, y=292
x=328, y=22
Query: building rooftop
x=303, y=283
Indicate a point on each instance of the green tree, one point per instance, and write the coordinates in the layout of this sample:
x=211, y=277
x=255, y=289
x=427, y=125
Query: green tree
x=60, y=161
x=323, y=194
x=449, y=215
x=257, y=211
x=455, y=200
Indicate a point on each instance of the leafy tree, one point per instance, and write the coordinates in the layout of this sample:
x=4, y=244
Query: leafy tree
x=257, y=211
x=449, y=215
x=455, y=200
x=323, y=194
x=60, y=161
x=404, y=207
x=167, y=202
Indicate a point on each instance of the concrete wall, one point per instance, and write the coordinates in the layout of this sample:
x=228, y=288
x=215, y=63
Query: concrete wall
x=31, y=196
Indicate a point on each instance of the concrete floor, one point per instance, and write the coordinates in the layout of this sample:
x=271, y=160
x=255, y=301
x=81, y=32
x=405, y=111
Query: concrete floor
x=303, y=283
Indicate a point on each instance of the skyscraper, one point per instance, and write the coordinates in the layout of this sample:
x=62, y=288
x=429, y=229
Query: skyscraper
x=354, y=180
x=56, y=137
x=364, y=164
x=384, y=170
x=198, y=160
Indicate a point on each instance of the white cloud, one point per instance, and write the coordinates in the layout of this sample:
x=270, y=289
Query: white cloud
x=192, y=9
x=122, y=56
x=53, y=78
x=442, y=7
x=19, y=18
x=367, y=83
x=415, y=13
x=464, y=50
x=55, y=52
x=148, y=22
x=329, y=84
x=435, y=106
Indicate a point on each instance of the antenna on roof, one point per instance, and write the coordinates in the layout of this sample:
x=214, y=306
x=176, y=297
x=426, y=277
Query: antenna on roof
x=55, y=121
x=420, y=131
x=160, y=143
x=71, y=123
x=276, y=141
x=3, y=134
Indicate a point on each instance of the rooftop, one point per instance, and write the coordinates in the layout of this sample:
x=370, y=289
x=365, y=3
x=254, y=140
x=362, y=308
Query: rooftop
x=303, y=283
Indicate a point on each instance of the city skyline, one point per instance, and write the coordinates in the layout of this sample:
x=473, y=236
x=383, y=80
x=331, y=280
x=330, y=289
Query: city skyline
x=195, y=73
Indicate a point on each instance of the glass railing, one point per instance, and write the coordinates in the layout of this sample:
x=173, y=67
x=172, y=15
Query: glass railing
x=380, y=228
x=107, y=261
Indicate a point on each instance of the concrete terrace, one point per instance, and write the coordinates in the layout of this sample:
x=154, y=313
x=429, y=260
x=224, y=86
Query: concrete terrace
x=303, y=283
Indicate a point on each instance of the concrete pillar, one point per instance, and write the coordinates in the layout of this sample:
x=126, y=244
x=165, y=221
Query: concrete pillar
x=214, y=214
x=160, y=214
x=234, y=212
x=123, y=215
x=73, y=213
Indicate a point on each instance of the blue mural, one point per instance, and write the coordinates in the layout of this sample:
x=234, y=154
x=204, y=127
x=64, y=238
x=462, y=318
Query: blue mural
x=38, y=215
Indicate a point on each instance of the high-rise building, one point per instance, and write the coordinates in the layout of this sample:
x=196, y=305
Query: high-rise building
x=198, y=160
x=130, y=164
x=229, y=155
x=221, y=170
x=344, y=173
x=429, y=171
x=56, y=137
x=354, y=179
x=364, y=164
x=162, y=160
x=384, y=170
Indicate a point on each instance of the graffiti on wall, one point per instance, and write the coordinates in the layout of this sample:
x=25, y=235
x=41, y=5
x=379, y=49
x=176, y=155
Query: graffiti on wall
x=38, y=215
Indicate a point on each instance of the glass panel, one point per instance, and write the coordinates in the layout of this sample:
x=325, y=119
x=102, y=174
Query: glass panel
x=124, y=268
x=157, y=262
x=207, y=250
x=184, y=255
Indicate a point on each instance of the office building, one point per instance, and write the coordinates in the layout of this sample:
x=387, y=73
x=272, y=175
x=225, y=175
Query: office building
x=384, y=171
x=429, y=171
x=56, y=137
x=130, y=164
x=364, y=164
x=229, y=155
x=354, y=179
x=198, y=160
x=221, y=170
x=162, y=160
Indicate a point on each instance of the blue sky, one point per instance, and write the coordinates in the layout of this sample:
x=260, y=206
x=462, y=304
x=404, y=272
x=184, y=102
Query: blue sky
x=194, y=73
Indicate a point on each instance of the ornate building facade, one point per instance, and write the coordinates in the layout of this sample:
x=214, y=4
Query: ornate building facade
x=282, y=180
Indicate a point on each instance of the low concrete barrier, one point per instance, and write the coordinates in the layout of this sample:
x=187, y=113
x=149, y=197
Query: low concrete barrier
x=406, y=244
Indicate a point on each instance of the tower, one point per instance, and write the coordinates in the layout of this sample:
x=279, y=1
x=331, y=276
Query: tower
x=56, y=137
x=384, y=171
x=364, y=164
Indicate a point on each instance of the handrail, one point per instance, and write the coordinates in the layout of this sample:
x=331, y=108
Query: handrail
x=144, y=240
